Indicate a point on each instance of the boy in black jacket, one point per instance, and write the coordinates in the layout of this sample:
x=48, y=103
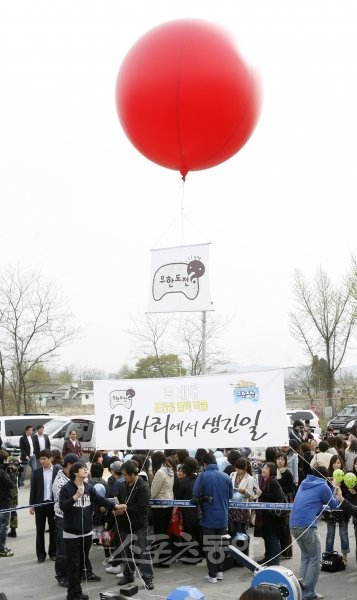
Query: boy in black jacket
x=76, y=501
x=134, y=496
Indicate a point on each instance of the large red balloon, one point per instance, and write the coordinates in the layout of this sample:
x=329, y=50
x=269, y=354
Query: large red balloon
x=185, y=97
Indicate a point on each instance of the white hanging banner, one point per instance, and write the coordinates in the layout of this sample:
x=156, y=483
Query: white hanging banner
x=179, y=279
x=213, y=411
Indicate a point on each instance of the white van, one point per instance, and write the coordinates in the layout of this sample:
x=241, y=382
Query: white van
x=305, y=413
x=58, y=430
x=13, y=427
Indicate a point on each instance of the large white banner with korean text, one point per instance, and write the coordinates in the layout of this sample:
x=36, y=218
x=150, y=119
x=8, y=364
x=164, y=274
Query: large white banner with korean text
x=179, y=279
x=230, y=410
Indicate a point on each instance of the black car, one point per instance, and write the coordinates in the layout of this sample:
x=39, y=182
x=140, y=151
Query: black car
x=345, y=419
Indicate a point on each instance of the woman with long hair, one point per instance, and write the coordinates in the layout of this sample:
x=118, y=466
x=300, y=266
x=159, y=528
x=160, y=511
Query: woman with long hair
x=190, y=521
x=161, y=489
x=243, y=486
x=340, y=447
x=351, y=454
x=292, y=456
x=352, y=498
x=331, y=440
x=97, y=456
x=333, y=517
x=313, y=446
x=353, y=434
x=306, y=457
x=286, y=481
x=272, y=526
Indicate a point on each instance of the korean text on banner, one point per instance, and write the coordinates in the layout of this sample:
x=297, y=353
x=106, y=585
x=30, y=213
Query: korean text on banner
x=230, y=410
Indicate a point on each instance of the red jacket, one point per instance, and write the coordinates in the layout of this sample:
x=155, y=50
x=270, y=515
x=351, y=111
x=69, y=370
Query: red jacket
x=69, y=448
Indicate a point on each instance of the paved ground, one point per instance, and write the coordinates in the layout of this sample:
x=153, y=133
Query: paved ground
x=22, y=578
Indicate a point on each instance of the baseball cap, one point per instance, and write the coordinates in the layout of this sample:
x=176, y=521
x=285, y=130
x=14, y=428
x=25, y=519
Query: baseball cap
x=116, y=466
x=70, y=458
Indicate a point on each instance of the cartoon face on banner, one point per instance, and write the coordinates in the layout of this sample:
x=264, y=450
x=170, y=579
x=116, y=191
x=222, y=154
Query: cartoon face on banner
x=178, y=278
x=121, y=397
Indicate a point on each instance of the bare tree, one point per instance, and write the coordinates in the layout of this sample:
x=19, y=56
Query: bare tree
x=2, y=385
x=159, y=336
x=324, y=319
x=35, y=325
x=149, y=335
x=301, y=378
x=191, y=344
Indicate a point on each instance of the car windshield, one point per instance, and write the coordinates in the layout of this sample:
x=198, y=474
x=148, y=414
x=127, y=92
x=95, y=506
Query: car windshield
x=348, y=411
x=302, y=415
x=53, y=425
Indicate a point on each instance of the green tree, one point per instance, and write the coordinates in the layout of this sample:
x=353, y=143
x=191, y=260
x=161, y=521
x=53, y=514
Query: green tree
x=319, y=378
x=164, y=365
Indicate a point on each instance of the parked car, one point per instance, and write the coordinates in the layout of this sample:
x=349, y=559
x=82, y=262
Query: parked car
x=58, y=430
x=12, y=427
x=345, y=419
x=303, y=414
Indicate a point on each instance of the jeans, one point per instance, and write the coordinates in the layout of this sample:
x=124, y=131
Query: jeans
x=136, y=552
x=330, y=538
x=4, y=526
x=60, y=564
x=212, y=546
x=33, y=465
x=309, y=544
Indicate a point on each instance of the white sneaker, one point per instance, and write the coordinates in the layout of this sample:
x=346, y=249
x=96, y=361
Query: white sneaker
x=211, y=579
x=219, y=575
x=116, y=570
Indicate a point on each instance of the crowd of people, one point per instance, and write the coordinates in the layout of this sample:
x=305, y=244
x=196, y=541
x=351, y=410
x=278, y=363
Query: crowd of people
x=106, y=501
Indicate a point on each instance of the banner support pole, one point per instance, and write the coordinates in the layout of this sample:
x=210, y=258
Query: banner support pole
x=204, y=323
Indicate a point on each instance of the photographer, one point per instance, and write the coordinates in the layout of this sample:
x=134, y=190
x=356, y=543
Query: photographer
x=16, y=471
x=6, y=485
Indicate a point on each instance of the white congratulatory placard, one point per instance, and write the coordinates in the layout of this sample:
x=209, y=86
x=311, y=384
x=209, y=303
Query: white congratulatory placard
x=180, y=279
x=230, y=410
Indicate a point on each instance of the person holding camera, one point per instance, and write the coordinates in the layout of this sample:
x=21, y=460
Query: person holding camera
x=213, y=489
x=6, y=486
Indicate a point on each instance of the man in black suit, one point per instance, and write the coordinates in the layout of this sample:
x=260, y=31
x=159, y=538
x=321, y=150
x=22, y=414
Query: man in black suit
x=40, y=442
x=41, y=493
x=27, y=453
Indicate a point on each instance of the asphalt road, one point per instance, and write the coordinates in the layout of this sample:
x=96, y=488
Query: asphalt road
x=22, y=578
